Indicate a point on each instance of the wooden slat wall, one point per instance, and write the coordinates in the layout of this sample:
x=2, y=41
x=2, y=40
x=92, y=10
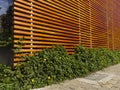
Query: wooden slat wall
x=84, y=16
x=116, y=24
x=55, y=22
x=91, y=23
x=22, y=26
x=44, y=23
x=110, y=6
x=99, y=23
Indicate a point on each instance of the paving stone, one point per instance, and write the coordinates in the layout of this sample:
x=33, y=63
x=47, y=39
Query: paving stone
x=113, y=82
x=108, y=85
x=96, y=76
x=103, y=88
x=117, y=85
x=114, y=88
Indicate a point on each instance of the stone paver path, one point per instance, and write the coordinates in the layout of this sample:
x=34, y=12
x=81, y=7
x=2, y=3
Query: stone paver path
x=111, y=83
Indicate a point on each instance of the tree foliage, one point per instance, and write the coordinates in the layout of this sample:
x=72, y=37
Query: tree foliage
x=7, y=20
x=7, y=25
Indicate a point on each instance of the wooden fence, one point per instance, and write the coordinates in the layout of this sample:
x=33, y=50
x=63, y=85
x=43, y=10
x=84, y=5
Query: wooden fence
x=42, y=23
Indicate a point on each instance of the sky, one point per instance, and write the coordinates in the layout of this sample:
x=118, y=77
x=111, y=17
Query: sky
x=4, y=4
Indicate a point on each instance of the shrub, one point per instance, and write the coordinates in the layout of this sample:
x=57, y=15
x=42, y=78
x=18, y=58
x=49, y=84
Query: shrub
x=55, y=65
x=96, y=58
x=5, y=39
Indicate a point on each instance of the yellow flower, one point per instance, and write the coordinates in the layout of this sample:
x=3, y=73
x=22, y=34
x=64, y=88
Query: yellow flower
x=33, y=80
x=48, y=77
x=44, y=59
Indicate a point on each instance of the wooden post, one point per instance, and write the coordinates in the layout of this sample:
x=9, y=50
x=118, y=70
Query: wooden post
x=113, y=46
x=79, y=22
x=31, y=28
x=107, y=23
x=90, y=24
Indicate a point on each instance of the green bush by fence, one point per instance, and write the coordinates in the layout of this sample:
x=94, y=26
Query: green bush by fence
x=55, y=65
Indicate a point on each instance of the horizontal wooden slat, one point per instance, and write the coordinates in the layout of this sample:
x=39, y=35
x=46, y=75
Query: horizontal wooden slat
x=91, y=23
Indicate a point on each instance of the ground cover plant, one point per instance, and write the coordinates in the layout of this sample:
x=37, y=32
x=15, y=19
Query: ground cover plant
x=55, y=65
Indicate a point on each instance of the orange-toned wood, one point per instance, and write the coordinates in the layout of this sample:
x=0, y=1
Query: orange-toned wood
x=42, y=23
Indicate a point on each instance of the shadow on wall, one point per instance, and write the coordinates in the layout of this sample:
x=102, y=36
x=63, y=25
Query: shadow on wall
x=6, y=55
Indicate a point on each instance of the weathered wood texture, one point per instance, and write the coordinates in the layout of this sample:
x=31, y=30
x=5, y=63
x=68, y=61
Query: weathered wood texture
x=91, y=23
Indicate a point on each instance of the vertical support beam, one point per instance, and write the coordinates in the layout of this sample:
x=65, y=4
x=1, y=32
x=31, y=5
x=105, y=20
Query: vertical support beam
x=113, y=45
x=90, y=15
x=107, y=23
x=31, y=28
x=79, y=22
